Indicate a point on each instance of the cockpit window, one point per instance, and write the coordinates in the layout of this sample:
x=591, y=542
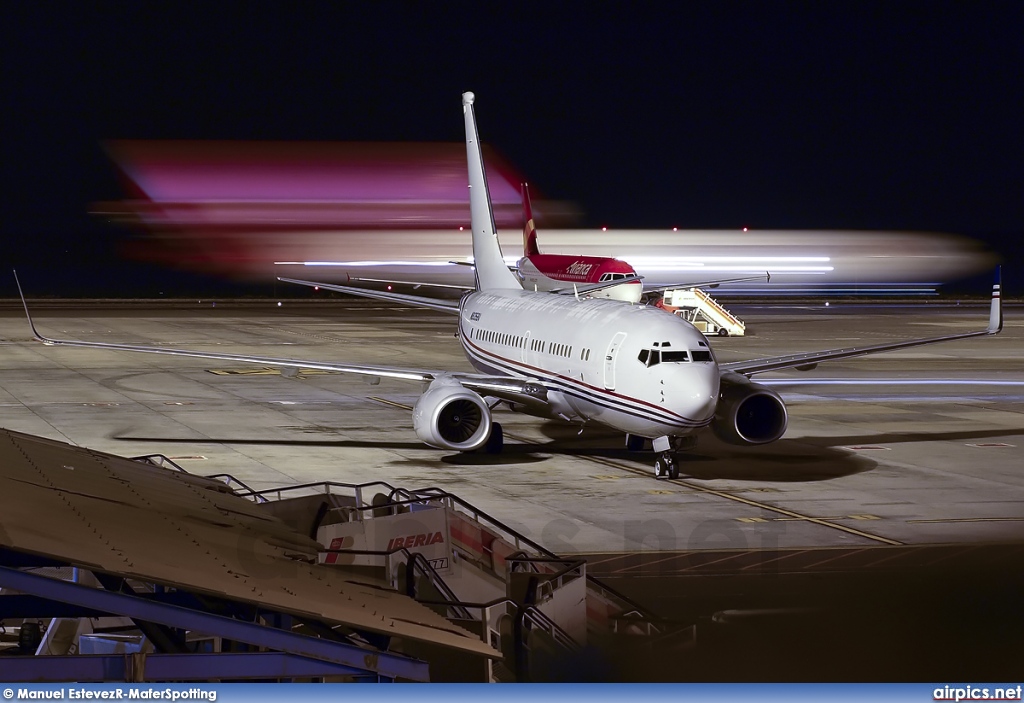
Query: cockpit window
x=653, y=357
x=700, y=355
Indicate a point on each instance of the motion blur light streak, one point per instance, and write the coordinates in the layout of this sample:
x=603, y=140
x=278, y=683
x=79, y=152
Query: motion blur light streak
x=245, y=209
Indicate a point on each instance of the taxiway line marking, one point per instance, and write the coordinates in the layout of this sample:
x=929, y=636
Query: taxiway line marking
x=392, y=403
x=704, y=489
x=784, y=511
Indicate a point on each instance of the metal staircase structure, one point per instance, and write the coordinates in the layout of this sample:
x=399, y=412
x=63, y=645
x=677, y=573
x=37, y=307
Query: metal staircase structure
x=533, y=605
x=321, y=582
x=703, y=311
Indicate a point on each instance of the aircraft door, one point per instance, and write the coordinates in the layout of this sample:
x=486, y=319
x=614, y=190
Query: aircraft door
x=527, y=340
x=609, y=360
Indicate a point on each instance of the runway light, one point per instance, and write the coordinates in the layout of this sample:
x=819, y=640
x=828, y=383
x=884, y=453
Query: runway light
x=278, y=303
x=389, y=287
x=316, y=287
x=460, y=228
x=675, y=229
x=744, y=229
x=604, y=229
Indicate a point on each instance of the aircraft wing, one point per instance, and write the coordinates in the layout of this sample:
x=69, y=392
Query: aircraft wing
x=414, y=284
x=590, y=288
x=402, y=298
x=809, y=360
x=517, y=390
x=708, y=284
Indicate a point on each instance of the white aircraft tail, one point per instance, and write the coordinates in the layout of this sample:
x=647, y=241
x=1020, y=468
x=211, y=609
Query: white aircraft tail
x=491, y=271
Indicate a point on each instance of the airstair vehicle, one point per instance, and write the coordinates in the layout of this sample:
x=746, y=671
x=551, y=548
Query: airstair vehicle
x=706, y=313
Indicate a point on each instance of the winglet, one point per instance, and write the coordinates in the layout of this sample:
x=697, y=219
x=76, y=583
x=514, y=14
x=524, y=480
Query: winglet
x=31, y=324
x=995, y=316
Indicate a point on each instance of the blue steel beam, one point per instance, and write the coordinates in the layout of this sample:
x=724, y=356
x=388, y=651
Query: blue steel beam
x=384, y=663
x=169, y=667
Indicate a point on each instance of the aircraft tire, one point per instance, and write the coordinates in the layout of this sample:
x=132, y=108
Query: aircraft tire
x=673, y=469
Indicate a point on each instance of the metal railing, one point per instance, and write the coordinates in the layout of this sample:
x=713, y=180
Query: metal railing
x=443, y=498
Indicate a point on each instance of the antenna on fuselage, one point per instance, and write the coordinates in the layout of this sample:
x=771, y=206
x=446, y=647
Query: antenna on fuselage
x=490, y=269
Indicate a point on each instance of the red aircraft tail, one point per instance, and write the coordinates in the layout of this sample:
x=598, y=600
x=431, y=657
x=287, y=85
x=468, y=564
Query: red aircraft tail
x=529, y=231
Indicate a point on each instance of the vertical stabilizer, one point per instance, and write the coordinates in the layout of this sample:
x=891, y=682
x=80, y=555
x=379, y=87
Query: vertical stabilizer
x=491, y=271
x=529, y=229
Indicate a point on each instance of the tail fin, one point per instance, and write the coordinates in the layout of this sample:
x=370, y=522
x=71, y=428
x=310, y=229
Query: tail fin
x=489, y=265
x=529, y=230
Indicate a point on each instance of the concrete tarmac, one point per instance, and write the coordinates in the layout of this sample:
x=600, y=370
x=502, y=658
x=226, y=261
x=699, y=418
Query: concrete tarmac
x=921, y=446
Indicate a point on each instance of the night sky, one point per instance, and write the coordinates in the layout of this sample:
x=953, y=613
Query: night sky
x=890, y=115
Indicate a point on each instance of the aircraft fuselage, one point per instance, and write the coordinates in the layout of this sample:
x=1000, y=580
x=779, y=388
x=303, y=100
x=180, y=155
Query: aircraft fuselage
x=630, y=368
x=547, y=272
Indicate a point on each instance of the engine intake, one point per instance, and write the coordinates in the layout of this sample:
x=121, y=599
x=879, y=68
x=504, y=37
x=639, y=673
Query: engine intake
x=748, y=413
x=448, y=416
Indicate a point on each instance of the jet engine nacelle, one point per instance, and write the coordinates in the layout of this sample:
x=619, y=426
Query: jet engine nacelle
x=747, y=412
x=449, y=416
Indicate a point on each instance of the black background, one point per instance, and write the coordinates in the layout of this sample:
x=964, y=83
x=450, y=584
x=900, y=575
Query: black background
x=707, y=115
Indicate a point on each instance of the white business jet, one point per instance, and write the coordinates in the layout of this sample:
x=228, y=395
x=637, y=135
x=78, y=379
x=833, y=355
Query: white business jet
x=631, y=368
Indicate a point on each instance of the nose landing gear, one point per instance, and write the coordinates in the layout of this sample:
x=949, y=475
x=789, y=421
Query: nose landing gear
x=666, y=447
x=665, y=466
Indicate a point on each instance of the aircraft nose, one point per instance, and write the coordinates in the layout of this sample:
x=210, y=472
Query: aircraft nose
x=698, y=394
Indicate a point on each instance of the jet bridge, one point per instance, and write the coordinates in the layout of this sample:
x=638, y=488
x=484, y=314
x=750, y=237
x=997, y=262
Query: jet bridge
x=192, y=580
x=133, y=569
